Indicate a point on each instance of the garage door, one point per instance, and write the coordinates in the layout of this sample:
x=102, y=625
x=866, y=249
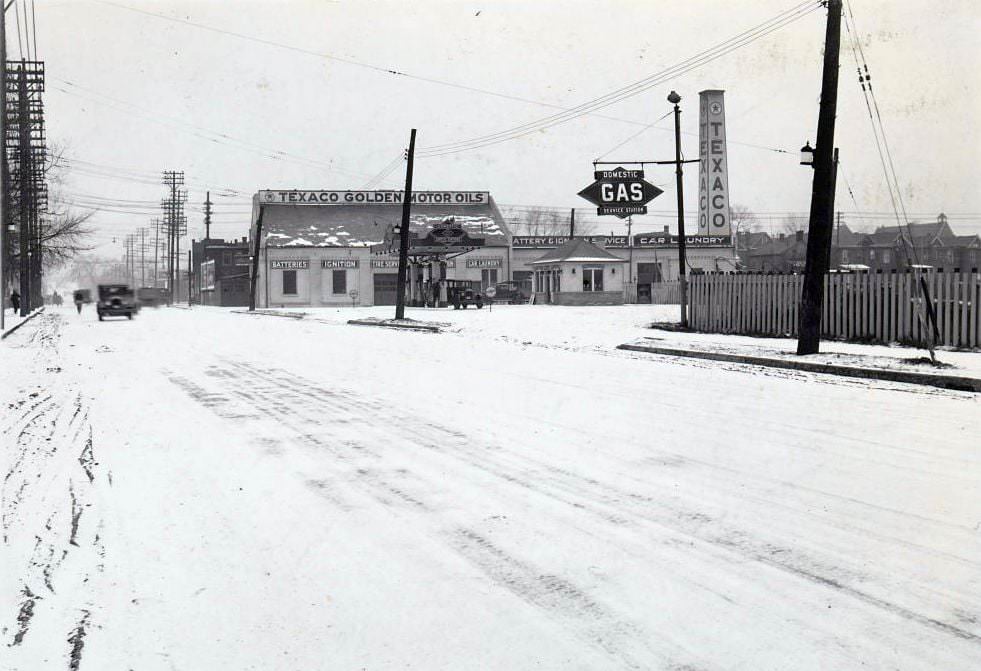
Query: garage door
x=386, y=288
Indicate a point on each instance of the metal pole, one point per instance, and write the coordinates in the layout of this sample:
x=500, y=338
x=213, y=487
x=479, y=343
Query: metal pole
x=404, y=231
x=189, y=278
x=822, y=192
x=682, y=260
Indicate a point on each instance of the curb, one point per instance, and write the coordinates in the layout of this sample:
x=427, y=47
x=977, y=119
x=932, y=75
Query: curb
x=24, y=321
x=298, y=315
x=406, y=327
x=954, y=382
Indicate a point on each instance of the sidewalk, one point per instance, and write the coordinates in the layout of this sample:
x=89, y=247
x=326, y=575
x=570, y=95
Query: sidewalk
x=955, y=369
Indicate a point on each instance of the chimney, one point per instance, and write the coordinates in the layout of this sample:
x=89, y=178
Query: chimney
x=799, y=235
x=665, y=230
x=781, y=236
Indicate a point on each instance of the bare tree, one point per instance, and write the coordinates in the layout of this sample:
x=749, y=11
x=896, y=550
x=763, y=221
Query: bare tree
x=64, y=233
x=546, y=221
x=743, y=220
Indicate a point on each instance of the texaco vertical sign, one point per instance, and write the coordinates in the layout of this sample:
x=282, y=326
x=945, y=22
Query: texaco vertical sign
x=713, y=166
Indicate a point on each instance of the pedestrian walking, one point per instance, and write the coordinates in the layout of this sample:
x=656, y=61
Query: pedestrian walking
x=78, y=301
x=15, y=300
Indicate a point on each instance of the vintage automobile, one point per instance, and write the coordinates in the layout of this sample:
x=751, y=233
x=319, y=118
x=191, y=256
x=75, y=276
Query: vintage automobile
x=116, y=300
x=152, y=296
x=463, y=293
x=514, y=293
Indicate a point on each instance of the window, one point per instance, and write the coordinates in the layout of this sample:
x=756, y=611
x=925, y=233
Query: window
x=289, y=282
x=885, y=256
x=339, y=282
x=844, y=256
x=227, y=258
x=488, y=277
x=592, y=278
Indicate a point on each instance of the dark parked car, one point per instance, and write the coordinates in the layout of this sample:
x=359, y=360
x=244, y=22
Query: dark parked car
x=514, y=293
x=463, y=293
x=116, y=300
x=152, y=296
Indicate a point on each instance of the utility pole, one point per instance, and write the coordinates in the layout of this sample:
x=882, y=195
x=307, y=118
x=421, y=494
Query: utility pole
x=674, y=98
x=404, y=230
x=255, y=261
x=174, y=210
x=4, y=214
x=24, y=234
x=630, y=247
x=572, y=223
x=156, y=250
x=142, y=257
x=822, y=192
x=207, y=217
x=189, y=278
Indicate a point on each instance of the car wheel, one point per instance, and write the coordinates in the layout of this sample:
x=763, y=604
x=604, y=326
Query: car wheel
x=480, y=305
x=100, y=317
x=129, y=315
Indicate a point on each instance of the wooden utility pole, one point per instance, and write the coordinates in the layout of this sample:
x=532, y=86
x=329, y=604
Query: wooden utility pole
x=207, y=216
x=142, y=257
x=820, y=226
x=24, y=234
x=189, y=275
x=404, y=230
x=679, y=180
x=4, y=214
x=255, y=262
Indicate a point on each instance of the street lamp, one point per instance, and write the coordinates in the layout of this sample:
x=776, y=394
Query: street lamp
x=674, y=99
x=807, y=155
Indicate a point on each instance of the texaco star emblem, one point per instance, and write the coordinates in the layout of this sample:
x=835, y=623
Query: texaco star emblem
x=715, y=108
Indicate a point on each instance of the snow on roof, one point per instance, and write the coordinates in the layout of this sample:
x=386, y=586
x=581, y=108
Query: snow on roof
x=365, y=225
x=578, y=250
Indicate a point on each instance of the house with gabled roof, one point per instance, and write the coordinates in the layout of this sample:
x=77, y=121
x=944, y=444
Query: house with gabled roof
x=579, y=272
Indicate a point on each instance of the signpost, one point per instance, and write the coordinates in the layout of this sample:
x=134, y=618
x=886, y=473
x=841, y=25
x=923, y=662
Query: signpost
x=490, y=292
x=620, y=192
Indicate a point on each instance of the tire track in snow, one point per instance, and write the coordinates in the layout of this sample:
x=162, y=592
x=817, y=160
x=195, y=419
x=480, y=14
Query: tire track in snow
x=51, y=527
x=297, y=409
x=282, y=394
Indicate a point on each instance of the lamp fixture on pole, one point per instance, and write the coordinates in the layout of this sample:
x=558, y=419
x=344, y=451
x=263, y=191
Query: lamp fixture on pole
x=807, y=155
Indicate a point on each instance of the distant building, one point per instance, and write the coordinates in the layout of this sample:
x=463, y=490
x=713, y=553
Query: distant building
x=221, y=272
x=316, y=246
x=887, y=248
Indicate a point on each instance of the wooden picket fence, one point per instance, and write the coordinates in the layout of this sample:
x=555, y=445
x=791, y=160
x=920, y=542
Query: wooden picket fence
x=868, y=307
x=666, y=293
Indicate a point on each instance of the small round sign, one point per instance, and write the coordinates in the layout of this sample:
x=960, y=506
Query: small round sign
x=490, y=292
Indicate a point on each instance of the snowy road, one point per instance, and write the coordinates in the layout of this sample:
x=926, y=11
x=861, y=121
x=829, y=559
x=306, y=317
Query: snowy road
x=207, y=490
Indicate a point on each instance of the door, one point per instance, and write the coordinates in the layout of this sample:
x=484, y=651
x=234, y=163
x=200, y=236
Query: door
x=386, y=288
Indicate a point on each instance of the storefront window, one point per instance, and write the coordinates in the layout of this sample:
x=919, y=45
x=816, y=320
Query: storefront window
x=592, y=278
x=488, y=277
x=339, y=282
x=289, y=282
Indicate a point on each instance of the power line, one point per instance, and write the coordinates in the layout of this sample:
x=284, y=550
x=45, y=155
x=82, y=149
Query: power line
x=392, y=71
x=723, y=48
x=212, y=136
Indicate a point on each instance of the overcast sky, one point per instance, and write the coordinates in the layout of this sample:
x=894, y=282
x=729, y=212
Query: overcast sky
x=130, y=94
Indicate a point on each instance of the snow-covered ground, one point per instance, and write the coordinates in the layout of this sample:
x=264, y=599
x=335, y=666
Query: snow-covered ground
x=199, y=489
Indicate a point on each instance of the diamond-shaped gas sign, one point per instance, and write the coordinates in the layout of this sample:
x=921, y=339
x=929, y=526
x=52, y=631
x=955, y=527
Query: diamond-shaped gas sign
x=620, y=192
